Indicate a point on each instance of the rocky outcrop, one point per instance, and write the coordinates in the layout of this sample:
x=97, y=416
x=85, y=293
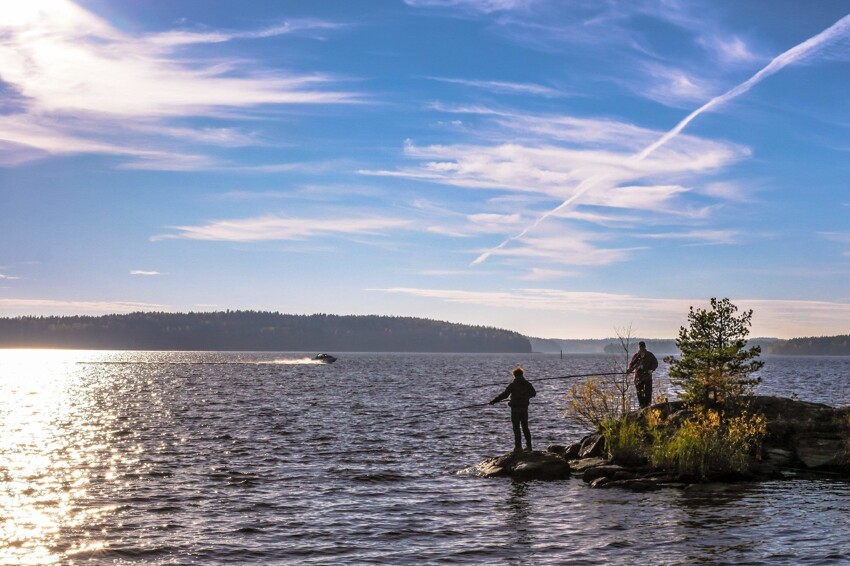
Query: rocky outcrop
x=804, y=436
x=534, y=465
x=803, y=439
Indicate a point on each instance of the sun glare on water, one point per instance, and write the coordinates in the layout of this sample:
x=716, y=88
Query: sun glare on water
x=44, y=468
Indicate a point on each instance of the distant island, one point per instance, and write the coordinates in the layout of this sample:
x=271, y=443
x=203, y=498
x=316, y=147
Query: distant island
x=255, y=331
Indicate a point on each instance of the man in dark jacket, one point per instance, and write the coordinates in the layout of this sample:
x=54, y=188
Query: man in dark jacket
x=520, y=391
x=643, y=363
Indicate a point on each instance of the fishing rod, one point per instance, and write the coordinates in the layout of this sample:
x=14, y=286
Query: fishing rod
x=443, y=411
x=475, y=405
x=556, y=377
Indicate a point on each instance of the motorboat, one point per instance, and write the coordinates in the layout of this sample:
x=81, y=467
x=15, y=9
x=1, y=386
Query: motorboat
x=325, y=358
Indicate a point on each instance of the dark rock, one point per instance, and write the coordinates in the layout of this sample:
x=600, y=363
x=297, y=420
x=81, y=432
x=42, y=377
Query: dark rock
x=778, y=456
x=820, y=452
x=592, y=446
x=558, y=449
x=600, y=482
x=572, y=451
x=606, y=471
x=523, y=466
x=628, y=458
x=585, y=463
x=766, y=470
x=624, y=475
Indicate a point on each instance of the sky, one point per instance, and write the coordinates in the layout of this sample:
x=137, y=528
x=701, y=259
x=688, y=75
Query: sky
x=564, y=169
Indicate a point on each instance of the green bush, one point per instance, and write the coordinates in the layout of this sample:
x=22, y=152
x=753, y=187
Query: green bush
x=625, y=440
x=706, y=445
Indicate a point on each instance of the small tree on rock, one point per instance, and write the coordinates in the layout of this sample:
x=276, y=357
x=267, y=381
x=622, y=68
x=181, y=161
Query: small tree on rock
x=715, y=364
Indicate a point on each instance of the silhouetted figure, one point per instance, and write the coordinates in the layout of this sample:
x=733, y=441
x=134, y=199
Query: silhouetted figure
x=643, y=363
x=520, y=391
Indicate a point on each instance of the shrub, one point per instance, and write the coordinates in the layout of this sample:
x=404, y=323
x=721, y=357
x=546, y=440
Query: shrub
x=706, y=445
x=599, y=400
x=625, y=440
x=605, y=398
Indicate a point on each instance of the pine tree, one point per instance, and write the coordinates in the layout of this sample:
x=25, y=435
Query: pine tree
x=715, y=364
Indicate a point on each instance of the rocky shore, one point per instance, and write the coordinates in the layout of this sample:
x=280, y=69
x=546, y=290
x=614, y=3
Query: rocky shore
x=803, y=440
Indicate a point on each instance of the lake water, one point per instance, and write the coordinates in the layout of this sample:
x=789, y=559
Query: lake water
x=211, y=458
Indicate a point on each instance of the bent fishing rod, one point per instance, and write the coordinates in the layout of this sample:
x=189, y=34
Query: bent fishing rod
x=556, y=377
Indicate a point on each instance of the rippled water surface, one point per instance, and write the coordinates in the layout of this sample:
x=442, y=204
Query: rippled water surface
x=209, y=458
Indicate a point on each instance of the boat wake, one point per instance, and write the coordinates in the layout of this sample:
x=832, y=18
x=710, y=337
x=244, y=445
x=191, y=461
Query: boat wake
x=299, y=361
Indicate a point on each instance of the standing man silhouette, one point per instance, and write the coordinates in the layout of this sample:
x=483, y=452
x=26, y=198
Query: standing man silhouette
x=643, y=363
x=520, y=391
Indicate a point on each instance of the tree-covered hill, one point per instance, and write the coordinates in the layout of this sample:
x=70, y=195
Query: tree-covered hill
x=813, y=346
x=257, y=331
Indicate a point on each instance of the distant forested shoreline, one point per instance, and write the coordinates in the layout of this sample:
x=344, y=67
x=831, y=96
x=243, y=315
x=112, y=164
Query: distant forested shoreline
x=255, y=331
x=273, y=331
x=813, y=346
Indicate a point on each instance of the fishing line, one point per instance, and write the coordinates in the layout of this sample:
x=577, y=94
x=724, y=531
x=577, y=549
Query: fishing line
x=556, y=377
x=442, y=411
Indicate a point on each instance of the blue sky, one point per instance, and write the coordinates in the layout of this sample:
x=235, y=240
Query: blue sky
x=559, y=168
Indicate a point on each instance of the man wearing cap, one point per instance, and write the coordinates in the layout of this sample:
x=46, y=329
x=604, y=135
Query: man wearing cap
x=643, y=363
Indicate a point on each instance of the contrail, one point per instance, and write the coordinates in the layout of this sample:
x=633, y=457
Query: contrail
x=796, y=53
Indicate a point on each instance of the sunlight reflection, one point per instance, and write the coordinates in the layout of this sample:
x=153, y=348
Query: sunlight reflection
x=47, y=447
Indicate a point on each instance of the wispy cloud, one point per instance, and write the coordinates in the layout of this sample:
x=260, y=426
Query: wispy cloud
x=81, y=84
x=483, y=6
x=672, y=85
x=557, y=172
x=841, y=237
x=553, y=170
x=188, y=37
x=542, y=274
x=4, y=277
x=63, y=58
x=144, y=273
x=804, y=50
x=58, y=306
x=557, y=157
x=270, y=228
x=504, y=86
x=728, y=191
x=699, y=236
x=567, y=248
x=730, y=49
x=781, y=318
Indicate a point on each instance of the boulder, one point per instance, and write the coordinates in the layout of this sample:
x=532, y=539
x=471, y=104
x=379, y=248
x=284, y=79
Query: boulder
x=558, y=449
x=817, y=451
x=535, y=465
x=604, y=471
x=571, y=453
x=778, y=456
x=585, y=463
x=592, y=446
